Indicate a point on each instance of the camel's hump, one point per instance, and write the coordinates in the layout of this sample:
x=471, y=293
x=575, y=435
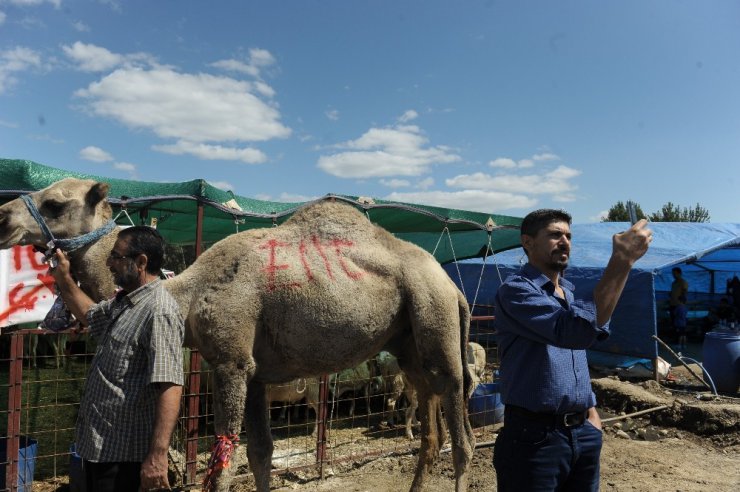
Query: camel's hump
x=329, y=212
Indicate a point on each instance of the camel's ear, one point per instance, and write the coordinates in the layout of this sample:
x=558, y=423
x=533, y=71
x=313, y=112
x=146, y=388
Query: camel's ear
x=97, y=193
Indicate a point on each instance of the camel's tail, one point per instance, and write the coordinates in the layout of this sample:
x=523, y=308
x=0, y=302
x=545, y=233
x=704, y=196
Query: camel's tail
x=462, y=304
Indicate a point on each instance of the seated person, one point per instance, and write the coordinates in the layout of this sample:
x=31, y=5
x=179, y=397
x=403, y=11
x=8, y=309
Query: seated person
x=725, y=312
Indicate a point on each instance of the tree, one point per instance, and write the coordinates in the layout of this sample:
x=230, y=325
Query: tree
x=674, y=213
x=619, y=213
x=668, y=213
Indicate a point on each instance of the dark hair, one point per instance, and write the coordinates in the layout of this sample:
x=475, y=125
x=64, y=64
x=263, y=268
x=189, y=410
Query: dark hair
x=145, y=240
x=539, y=219
x=676, y=270
x=682, y=298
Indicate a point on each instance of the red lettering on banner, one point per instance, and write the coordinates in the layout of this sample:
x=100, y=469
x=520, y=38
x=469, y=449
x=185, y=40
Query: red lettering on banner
x=47, y=281
x=272, y=267
x=17, y=258
x=338, y=245
x=27, y=301
x=33, y=261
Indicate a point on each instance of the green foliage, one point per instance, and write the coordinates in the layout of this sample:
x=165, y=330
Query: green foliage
x=619, y=213
x=675, y=213
x=668, y=213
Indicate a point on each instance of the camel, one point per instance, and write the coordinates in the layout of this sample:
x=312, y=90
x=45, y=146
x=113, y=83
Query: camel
x=322, y=292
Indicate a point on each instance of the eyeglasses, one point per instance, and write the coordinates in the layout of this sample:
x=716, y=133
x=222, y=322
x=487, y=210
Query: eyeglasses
x=115, y=256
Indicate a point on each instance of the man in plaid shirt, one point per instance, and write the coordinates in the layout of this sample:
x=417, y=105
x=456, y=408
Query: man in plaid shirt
x=132, y=395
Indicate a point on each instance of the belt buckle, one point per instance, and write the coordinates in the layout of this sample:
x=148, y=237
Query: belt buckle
x=567, y=422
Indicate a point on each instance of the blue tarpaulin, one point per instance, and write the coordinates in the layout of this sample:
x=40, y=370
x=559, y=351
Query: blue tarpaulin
x=708, y=254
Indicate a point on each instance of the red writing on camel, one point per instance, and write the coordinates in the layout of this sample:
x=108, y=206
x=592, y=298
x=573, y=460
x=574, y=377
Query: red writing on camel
x=305, y=250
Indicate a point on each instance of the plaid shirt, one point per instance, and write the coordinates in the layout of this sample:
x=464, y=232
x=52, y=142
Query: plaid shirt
x=140, y=336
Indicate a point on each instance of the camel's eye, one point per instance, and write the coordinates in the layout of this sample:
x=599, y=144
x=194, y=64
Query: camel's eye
x=52, y=208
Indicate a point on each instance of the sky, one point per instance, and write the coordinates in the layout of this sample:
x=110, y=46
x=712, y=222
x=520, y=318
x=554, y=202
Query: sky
x=493, y=106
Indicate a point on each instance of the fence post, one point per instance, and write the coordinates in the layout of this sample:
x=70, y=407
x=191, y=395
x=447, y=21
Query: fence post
x=15, y=381
x=193, y=407
x=321, y=419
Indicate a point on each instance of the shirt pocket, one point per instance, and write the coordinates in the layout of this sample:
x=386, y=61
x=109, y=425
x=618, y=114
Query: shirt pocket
x=116, y=359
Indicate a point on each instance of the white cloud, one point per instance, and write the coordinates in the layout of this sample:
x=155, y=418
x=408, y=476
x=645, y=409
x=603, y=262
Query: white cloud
x=95, y=154
x=599, y=217
x=475, y=200
x=92, y=58
x=222, y=185
x=395, y=183
x=15, y=60
x=29, y=3
x=425, y=183
x=383, y=152
x=8, y=124
x=213, y=152
x=80, y=26
x=189, y=107
x=293, y=197
x=113, y=4
x=408, y=116
x=332, y=114
x=125, y=166
x=238, y=66
x=555, y=182
x=545, y=156
x=258, y=59
x=128, y=168
x=3, y=16
x=507, y=163
x=503, y=162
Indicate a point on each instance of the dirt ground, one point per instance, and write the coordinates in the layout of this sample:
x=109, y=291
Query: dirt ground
x=692, y=445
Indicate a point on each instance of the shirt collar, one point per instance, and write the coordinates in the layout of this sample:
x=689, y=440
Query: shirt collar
x=540, y=279
x=137, y=295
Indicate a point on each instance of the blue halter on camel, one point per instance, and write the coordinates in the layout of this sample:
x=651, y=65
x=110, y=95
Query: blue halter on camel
x=65, y=245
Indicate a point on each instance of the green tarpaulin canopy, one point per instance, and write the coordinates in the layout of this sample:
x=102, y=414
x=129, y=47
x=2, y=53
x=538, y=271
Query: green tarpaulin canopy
x=175, y=208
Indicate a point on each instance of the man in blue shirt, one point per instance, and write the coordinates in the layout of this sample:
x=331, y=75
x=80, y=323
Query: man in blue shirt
x=552, y=438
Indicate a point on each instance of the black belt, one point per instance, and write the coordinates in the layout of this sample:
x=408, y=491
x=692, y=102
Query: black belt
x=571, y=419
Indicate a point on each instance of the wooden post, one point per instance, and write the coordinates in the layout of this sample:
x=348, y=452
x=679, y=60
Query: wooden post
x=15, y=381
x=321, y=419
x=193, y=396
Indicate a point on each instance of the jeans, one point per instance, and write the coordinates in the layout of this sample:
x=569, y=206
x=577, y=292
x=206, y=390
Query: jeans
x=112, y=477
x=536, y=456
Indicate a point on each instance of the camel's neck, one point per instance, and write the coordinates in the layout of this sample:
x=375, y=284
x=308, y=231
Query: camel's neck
x=89, y=268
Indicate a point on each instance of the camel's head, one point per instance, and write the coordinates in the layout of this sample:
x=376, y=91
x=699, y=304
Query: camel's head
x=71, y=207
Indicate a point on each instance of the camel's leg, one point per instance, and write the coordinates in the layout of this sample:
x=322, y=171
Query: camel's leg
x=438, y=360
x=229, y=398
x=430, y=440
x=413, y=404
x=259, y=437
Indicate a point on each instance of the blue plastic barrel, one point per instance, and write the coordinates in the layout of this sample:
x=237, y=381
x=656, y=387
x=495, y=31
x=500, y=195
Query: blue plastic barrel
x=27, y=451
x=485, y=406
x=721, y=359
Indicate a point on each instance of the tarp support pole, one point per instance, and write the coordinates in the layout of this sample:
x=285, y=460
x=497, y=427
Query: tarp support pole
x=193, y=397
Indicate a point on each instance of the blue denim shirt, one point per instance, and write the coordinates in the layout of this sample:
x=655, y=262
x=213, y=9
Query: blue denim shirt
x=542, y=340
